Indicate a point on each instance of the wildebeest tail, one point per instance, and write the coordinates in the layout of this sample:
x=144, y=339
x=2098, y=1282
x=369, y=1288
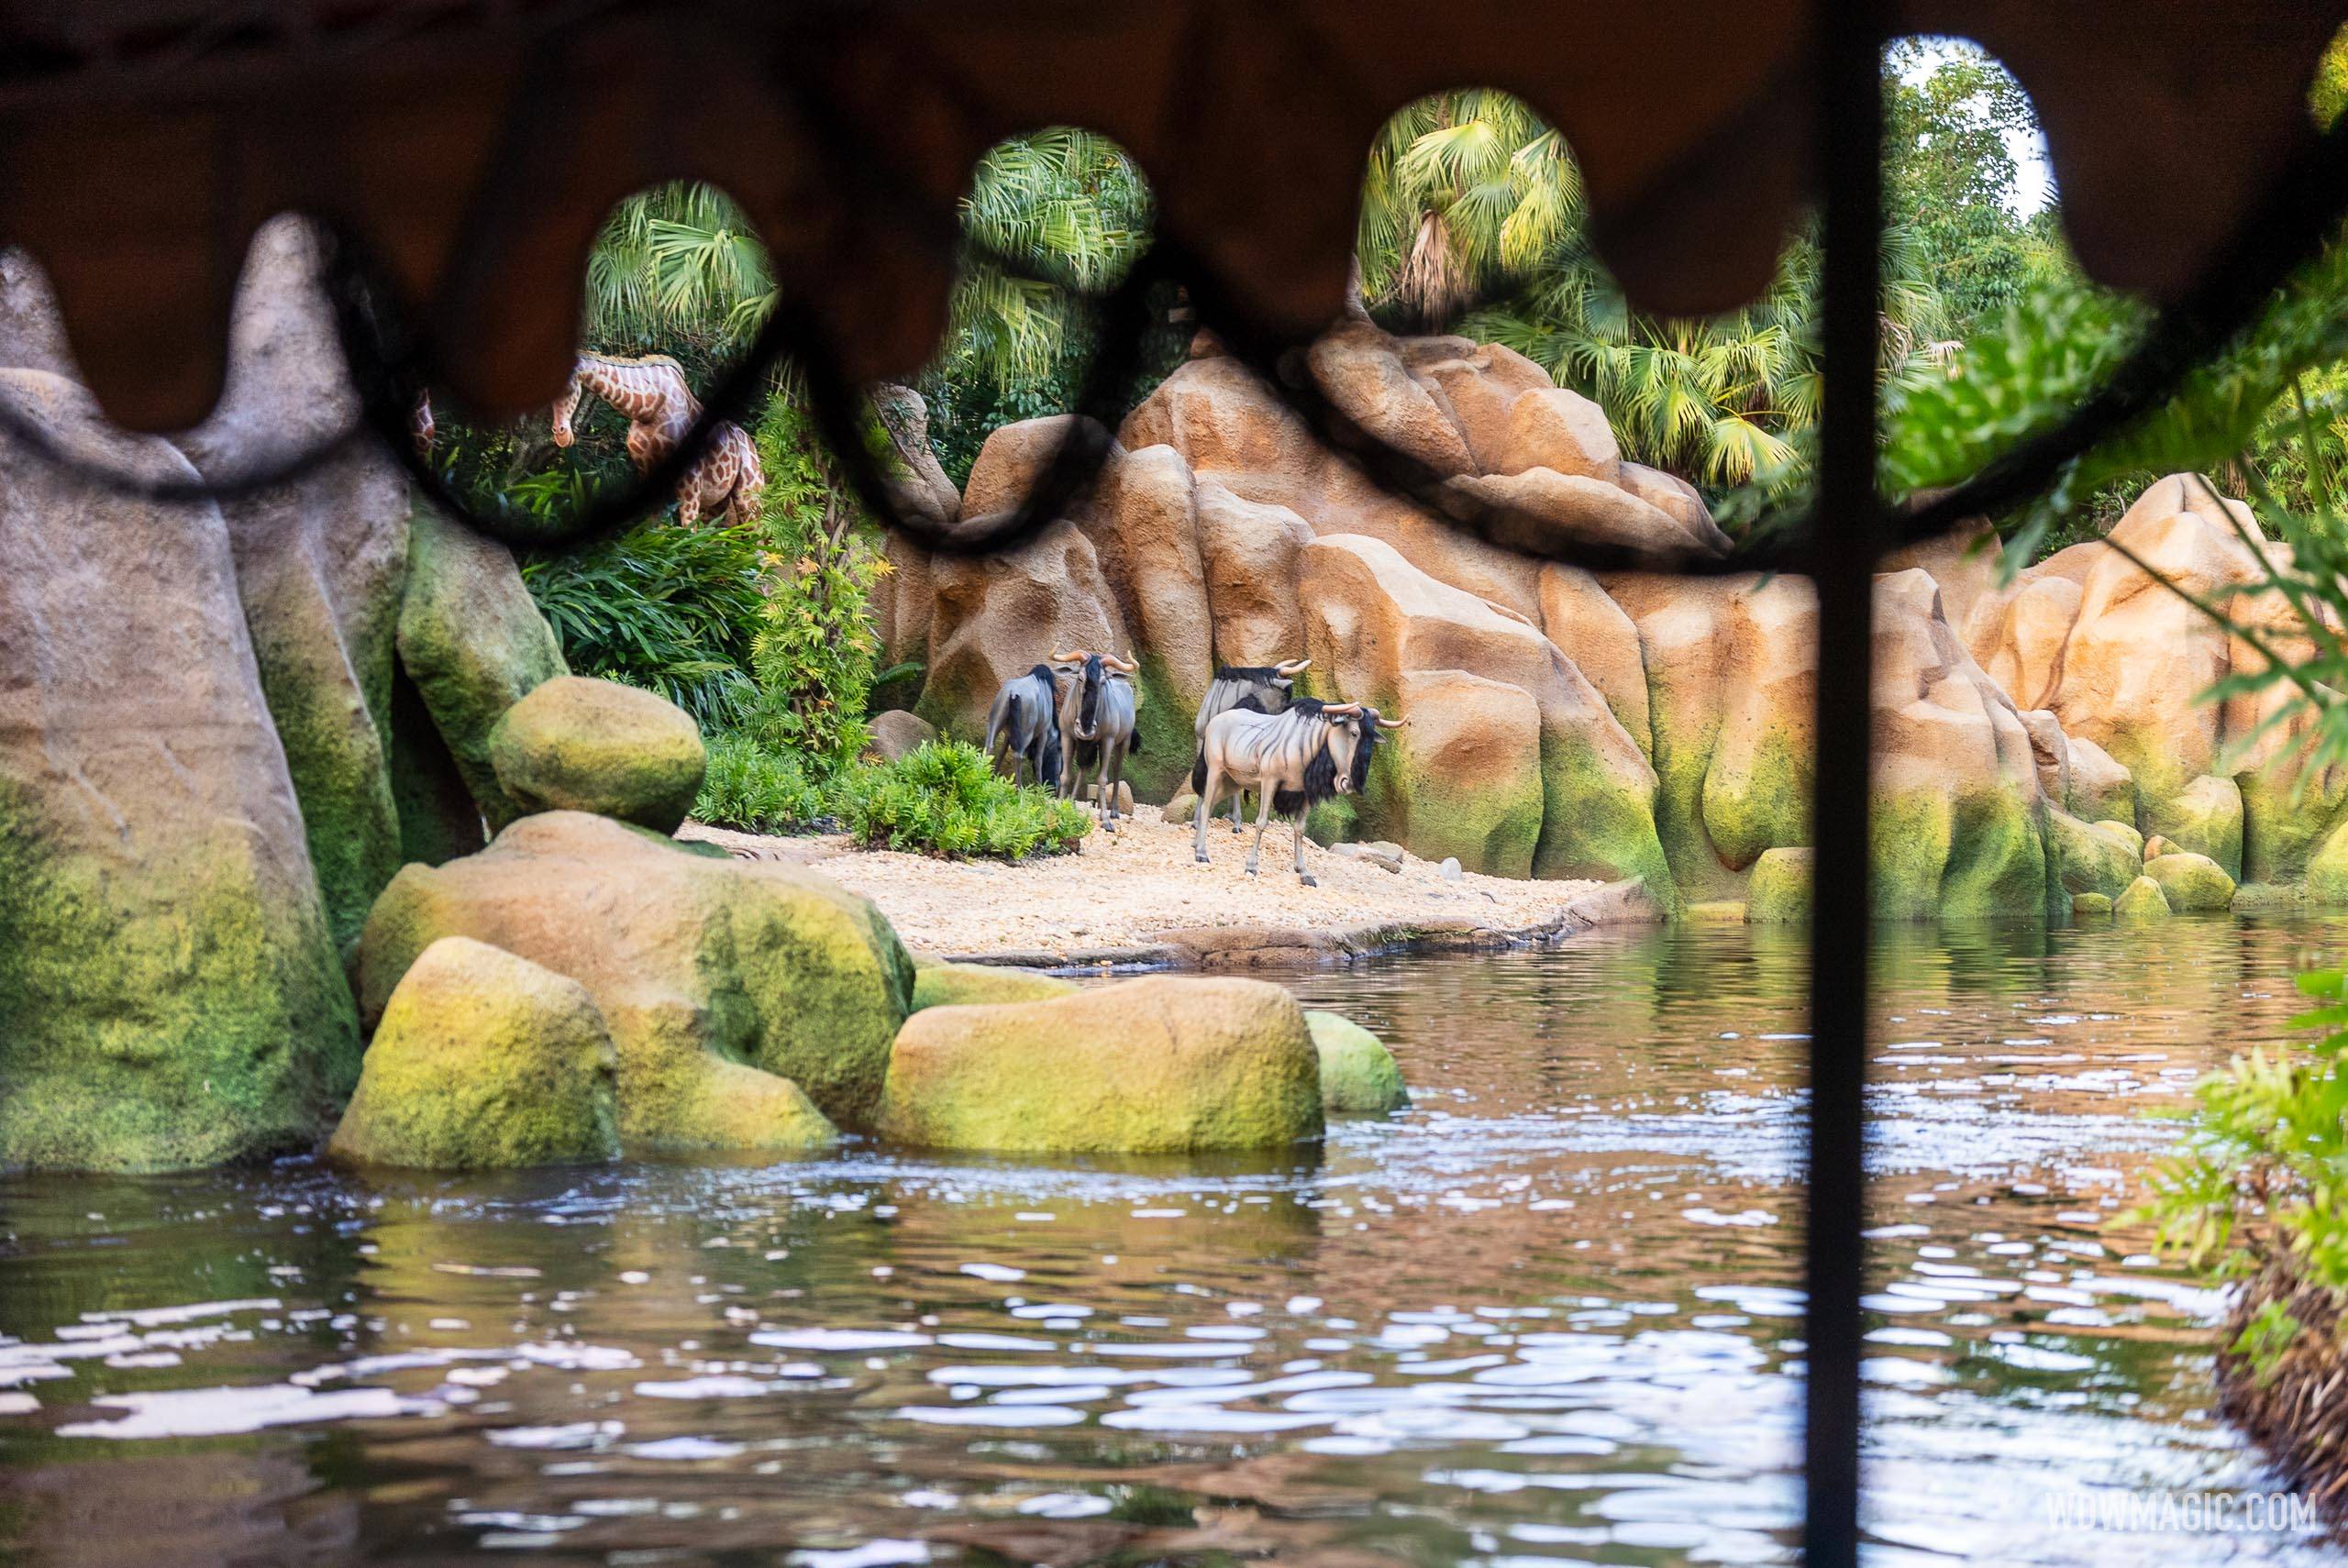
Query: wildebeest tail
x=1198, y=773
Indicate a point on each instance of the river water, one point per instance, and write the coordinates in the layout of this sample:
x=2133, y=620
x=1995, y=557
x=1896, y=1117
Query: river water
x=1551, y=1314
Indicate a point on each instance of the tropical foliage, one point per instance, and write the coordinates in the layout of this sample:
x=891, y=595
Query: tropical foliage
x=944, y=799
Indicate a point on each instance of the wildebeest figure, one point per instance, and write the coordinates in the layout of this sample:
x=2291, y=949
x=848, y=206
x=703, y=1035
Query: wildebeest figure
x=1294, y=760
x=1096, y=726
x=1024, y=724
x=1268, y=684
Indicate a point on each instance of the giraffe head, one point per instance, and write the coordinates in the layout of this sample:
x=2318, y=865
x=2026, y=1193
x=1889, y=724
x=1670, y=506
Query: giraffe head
x=564, y=407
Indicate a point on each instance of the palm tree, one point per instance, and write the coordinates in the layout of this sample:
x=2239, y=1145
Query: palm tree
x=681, y=270
x=1472, y=204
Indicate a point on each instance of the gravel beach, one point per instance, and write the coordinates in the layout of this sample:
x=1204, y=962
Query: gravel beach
x=1127, y=897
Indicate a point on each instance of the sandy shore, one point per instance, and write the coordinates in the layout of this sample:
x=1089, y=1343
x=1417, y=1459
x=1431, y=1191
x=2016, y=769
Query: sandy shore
x=1139, y=898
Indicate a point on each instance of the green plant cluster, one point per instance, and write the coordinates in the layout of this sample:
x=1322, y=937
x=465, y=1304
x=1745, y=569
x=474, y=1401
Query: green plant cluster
x=675, y=611
x=943, y=799
x=756, y=790
x=2260, y=1185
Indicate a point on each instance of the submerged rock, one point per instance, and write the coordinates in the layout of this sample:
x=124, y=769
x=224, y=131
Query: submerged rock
x=2090, y=906
x=957, y=985
x=170, y=993
x=474, y=644
x=581, y=744
x=2142, y=901
x=729, y=986
x=483, y=1060
x=2191, y=882
x=1359, y=1075
x=1161, y=1064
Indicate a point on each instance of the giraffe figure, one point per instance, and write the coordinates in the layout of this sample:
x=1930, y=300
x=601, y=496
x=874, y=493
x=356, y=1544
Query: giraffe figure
x=650, y=393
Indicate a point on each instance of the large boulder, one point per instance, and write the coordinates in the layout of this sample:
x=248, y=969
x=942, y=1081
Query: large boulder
x=729, y=986
x=1162, y=1064
x=2093, y=857
x=2328, y=870
x=996, y=616
x=475, y=644
x=1779, y=890
x=897, y=735
x=483, y=1060
x=1360, y=371
x=1371, y=618
x=1359, y=1075
x=2142, y=901
x=2204, y=818
x=578, y=745
x=320, y=563
x=919, y=486
x=170, y=993
x=2191, y=882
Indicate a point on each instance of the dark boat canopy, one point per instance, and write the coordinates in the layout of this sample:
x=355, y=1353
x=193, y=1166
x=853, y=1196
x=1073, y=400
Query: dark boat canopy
x=473, y=147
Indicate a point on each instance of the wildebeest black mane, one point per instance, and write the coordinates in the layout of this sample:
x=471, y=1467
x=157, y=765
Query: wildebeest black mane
x=1247, y=672
x=1045, y=672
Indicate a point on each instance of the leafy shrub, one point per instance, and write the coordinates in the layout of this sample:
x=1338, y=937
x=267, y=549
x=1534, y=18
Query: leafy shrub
x=813, y=658
x=2259, y=1188
x=757, y=791
x=673, y=610
x=942, y=798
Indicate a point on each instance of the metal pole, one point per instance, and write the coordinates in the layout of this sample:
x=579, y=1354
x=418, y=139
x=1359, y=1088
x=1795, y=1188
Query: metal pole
x=1846, y=537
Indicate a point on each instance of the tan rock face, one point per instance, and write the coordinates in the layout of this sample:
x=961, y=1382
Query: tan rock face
x=1371, y=617
x=996, y=616
x=921, y=489
x=1550, y=427
x=1592, y=631
x=1359, y=369
x=1249, y=551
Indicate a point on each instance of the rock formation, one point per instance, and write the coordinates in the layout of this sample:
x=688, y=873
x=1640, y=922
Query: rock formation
x=1624, y=724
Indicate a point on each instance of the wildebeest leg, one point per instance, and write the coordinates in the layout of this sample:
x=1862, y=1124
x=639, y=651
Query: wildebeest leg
x=1238, y=810
x=1302, y=874
x=1263, y=820
x=1206, y=809
x=1113, y=768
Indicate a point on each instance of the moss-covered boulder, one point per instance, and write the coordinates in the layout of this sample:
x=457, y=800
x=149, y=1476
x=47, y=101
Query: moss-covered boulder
x=2191, y=882
x=2090, y=906
x=170, y=991
x=2328, y=870
x=960, y=984
x=718, y=978
x=2124, y=832
x=2093, y=857
x=1358, y=1074
x=579, y=744
x=2204, y=818
x=2142, y=901
x=1161, y=1064
x=473, y=643
x=483, y=1061
x=1779, y=890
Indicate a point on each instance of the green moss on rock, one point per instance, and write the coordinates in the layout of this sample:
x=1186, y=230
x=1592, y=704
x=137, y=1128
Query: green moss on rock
x=580, y=745
x=2090, y=906
x=1910, y=835
x=1763, y=805
x=2191, y=882
x=473, y=643
x=2204, y=818
x=1593, y=826
x=1164, y=742
x=2268, y=898
x=1779, y=890
x=2328, y=870
x=1161, y=1064
x=699, y=966
x=2142, y=901
x=2125, y=832
x=1358, y=1074
x=1998, y=860
x=484, y=1061
x=2091, y=858
x=957, y=985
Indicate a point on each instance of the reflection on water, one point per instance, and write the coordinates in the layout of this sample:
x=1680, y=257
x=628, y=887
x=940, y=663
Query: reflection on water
x=1549, y=1315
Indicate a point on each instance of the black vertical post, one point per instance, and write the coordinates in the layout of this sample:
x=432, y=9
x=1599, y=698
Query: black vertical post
x=1846, y=538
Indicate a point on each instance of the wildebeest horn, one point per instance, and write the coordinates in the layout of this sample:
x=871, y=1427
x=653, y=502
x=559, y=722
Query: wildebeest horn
x=1342, y=710
x=1290, y=667
x=1384, y=723
x=1113, y=662
x=1076, y=656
